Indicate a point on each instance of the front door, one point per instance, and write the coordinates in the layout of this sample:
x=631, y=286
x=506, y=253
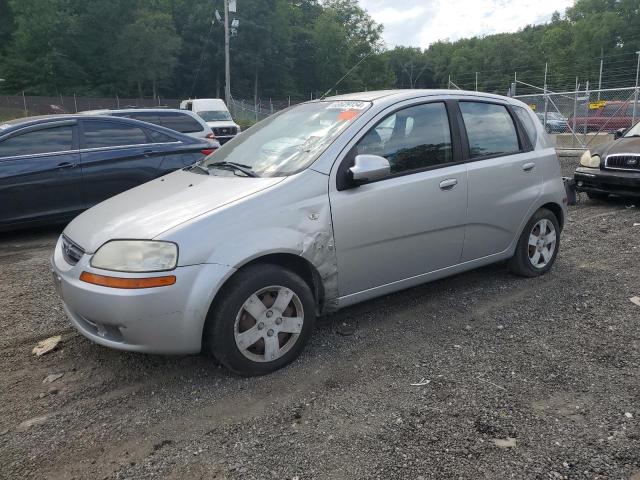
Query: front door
x=39, y=174
x=412, y=222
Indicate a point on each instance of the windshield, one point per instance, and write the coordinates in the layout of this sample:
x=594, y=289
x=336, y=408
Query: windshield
x=215, y=115
x=633, y=131
x=291, y=140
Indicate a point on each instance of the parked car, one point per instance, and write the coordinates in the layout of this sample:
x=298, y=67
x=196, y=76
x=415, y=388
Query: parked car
x=53, y=167
x=183, y=121
x=611, y=168
x=311, y=210
x=215, y=112
x=556, y=123
x=613, y=116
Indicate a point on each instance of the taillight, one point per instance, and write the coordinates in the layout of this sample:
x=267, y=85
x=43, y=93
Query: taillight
x=211, y=136
x=207, y=151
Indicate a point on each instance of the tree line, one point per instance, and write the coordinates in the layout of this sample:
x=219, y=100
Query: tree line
x=174, y=48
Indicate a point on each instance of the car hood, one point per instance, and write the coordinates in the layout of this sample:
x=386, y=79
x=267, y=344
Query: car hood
x=622, y=145
x=146, y=211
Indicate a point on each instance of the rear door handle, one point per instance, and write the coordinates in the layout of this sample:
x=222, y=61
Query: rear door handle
x=148, y=152
x=448, y=184
x=527, y=167
x=66, y=165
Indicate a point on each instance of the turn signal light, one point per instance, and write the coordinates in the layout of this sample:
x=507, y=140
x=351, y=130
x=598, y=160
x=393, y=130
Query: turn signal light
x=120, y=282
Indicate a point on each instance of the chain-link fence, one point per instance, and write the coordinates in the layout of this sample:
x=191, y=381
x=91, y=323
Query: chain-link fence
x=16, y=106
x=585, y=114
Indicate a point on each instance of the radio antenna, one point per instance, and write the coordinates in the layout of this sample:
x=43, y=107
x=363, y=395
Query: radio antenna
x=347, y=74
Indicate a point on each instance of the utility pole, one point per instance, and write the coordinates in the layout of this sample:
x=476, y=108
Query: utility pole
x=227, y=69
x=635, y=100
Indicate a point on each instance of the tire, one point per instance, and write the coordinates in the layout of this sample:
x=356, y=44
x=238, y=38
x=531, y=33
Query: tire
x=530, y=260
x=597, y=195
x=265, y=345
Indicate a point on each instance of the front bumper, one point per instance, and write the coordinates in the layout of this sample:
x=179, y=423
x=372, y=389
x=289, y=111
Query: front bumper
x=166, y=320
x=607, y=181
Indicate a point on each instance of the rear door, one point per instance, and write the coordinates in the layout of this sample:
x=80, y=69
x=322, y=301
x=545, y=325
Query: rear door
x=116, y=156
x=503, y=174
x=39, y=173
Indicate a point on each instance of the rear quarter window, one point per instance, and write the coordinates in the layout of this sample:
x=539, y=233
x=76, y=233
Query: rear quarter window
x=527, y=123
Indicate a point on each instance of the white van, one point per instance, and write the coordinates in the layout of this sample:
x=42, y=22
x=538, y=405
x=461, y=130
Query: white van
x=215, y=112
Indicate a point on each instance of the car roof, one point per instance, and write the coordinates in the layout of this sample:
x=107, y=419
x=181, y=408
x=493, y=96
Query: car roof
x=16, y=124
x=107, y=111
x=407, y=94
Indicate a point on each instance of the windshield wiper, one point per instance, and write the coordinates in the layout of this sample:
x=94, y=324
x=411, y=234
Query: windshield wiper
x=197, y=166
x=246, y=169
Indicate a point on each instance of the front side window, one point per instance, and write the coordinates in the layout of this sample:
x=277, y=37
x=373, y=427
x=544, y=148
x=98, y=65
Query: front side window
x=289, y=141
x=490, y=129
x=411, y=139
x=99, y=134
x=47, y=140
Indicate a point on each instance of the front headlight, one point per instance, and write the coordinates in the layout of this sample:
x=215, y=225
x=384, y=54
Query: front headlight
x=588, y=160
x=136, y=256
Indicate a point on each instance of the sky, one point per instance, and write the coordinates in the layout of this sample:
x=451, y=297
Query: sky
x=419, y=23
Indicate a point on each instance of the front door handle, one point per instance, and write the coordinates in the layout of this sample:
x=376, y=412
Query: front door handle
x=448, y=184
x=147, y=153
x=66, y=165
x=527, y=167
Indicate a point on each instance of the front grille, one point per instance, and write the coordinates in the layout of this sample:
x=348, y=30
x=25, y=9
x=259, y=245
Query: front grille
x=220, y=131
x=72, y=252
x=623, y=161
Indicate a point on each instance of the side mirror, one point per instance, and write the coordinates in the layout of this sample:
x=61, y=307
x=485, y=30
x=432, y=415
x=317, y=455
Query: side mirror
x=619, y=133
x=368, y=168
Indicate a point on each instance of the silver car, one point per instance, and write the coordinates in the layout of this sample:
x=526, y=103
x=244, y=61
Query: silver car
x=318, y=207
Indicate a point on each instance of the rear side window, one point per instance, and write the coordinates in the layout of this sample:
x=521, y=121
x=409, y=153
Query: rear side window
x=180, y=122
x=527, y=123
x=54, y=139
x=490, y=129
x=98, y=134
x=411, y=139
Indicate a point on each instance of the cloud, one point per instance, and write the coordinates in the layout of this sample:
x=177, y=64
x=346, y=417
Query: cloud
x=421, y=23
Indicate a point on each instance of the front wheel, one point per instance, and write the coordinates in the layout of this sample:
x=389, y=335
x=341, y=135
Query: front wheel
x=537, y=246
x=262, y=320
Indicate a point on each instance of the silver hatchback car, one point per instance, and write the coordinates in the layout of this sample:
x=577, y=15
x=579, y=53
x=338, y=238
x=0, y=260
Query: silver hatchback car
x=318, y=207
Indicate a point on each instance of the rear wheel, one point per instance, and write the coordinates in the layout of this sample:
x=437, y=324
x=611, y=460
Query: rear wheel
x=537, y=246
x=262, y=321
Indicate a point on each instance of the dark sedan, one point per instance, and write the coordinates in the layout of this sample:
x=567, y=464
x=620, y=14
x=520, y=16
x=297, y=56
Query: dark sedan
x=53, y=167
x=611, y=168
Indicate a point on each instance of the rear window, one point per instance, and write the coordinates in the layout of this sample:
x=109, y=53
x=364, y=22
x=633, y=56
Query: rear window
x=180, y=122
x=54, y=139
x=490, y=129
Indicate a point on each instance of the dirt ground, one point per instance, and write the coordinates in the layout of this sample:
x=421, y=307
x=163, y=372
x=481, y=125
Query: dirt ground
x=483, y=375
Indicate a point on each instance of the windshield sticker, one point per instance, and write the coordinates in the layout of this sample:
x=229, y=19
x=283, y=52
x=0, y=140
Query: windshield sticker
x=347, y=105
x=348, y=115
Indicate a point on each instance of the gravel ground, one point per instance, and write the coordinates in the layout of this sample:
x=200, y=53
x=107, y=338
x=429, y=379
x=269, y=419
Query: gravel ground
x=516, y=378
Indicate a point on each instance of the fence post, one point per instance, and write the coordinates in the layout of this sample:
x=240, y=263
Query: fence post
x=476, y=81
x=600, y=76
x=24, y=102
x=546, y=97
x=635, y=99
x=289, y=101
x=117, y=101
x=515, y=82
x=75, y=102
x=575, y=106
x=586, y=113
x=271, y=106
